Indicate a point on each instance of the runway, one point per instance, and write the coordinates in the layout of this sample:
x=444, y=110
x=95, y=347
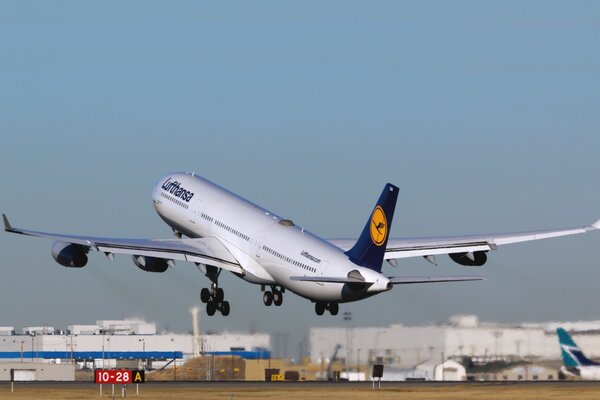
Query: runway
x=311, y=390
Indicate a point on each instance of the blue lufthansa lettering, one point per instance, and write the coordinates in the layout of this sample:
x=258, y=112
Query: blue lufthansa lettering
x=310, y=257
x=175, y=188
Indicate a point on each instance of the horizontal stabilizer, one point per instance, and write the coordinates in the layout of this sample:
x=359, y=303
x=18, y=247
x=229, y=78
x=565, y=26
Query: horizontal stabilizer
x=405, y=280
x=396, y=280
x=329, y=279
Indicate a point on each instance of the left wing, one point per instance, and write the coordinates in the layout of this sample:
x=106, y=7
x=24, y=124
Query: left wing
x=207, y=250
x=415, y=247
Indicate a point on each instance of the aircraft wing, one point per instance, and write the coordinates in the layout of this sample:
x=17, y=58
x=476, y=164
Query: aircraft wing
x=207, y=250
x=416, y=247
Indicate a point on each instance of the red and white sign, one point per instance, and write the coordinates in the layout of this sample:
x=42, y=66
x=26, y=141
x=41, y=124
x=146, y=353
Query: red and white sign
x=118, y=376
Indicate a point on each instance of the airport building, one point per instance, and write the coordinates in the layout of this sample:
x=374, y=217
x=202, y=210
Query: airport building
x=463, y=348
x=405, y=347
x=123, y=343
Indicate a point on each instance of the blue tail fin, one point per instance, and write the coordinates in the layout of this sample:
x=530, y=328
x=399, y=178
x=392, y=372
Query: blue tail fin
x=571, y=353
x=370, y=247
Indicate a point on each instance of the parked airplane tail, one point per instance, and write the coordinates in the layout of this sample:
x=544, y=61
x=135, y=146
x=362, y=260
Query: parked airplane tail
x=571, y=353
x=370, y=247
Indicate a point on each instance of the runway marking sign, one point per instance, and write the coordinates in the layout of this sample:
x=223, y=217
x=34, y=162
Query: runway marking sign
x=119, y=376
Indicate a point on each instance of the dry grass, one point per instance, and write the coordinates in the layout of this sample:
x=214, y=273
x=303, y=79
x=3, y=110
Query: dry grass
x=325, y=392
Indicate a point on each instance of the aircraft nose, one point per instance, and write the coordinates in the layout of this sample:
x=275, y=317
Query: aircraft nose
x=156, y=196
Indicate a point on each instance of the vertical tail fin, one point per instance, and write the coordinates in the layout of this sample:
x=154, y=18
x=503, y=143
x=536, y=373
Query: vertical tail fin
x=571, y=353
x=369, y=249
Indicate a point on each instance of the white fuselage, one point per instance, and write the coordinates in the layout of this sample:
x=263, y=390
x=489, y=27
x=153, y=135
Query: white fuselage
x=591, y=372
x=268, y=248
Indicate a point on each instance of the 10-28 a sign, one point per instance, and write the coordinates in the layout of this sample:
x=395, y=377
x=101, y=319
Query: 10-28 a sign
x=119, y=376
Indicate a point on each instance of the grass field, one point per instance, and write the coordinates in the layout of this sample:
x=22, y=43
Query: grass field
x=321, y=392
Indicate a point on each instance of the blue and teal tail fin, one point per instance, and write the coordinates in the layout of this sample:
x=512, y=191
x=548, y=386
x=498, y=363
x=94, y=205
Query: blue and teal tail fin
x=571, y=353
x=369, y=249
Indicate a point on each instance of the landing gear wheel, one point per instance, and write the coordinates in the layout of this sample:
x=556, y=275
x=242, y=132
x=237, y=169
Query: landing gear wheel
x=334, y=308
x=277, y=298
x=319, y=308
x=268, y=298
x=205, y=295
x=211, y=307
x=225, y=308
x=219, y=295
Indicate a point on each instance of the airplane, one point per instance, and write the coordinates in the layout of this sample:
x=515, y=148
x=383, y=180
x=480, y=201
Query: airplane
x=575, y=363
x=218, y=230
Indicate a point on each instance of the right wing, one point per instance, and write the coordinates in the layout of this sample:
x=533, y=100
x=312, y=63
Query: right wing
x=209, y=250
x=423, y=247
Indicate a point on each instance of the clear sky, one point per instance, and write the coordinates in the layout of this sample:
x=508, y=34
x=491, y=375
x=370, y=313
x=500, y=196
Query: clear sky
x=485, y=114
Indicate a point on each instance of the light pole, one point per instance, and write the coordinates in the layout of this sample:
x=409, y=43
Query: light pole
x=348, y=319
x=103, y=362
x=497, y=335
x=108, y=348
x=66, y=348
x=376, y=344
x=72, y=351
x=143, y=351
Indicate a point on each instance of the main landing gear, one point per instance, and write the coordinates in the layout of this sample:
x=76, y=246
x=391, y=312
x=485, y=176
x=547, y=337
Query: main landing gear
x=273, y=296
x=333, y=308
x=214, y=299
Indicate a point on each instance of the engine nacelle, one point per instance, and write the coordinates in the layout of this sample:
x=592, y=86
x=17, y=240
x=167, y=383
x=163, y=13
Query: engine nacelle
x=474, y=259
x=69, y=254
x=151, y=264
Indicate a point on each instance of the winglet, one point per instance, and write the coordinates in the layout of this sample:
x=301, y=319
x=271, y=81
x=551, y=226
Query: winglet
x=7, y=226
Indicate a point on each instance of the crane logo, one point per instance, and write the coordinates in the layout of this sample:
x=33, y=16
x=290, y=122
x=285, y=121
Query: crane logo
x=378, y=226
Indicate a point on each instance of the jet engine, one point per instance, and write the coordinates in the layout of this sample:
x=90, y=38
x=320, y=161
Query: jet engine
x=69, y=254
x=470, y=259
x=151, y=264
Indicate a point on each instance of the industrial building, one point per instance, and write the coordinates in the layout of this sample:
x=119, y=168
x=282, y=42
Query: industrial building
x=113, y=343
x=405, y=350
x=461, y=349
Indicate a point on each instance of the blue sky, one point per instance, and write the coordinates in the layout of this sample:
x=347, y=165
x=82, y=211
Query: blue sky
x=485, y=114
